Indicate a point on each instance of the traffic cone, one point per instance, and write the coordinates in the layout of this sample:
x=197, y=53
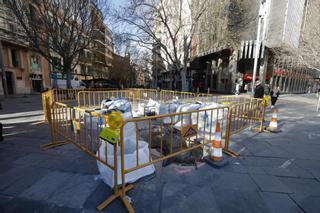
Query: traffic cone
x=273, y=125
x=216, y=159
x=216, y=149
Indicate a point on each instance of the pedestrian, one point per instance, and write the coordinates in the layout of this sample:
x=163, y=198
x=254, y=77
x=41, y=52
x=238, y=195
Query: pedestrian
x=259, y=90
x=237, y=92
x=246, y=88
x=274, y=96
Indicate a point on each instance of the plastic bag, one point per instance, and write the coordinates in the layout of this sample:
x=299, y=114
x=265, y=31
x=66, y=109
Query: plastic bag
x=130, y=159
x=267, y=100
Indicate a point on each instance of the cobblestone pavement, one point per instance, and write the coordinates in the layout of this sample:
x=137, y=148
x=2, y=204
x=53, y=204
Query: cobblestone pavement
x=275, y=173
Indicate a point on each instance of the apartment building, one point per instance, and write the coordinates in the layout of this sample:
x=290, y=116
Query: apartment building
x=96, y=62
x=25, y=71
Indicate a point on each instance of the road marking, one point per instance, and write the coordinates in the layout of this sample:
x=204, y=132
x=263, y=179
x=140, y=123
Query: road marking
x=286, y=163
x=241, y=150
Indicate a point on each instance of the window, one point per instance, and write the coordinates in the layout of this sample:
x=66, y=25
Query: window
x=56, y=64
x=83, y=69
x=15, y=59
x=35, y=62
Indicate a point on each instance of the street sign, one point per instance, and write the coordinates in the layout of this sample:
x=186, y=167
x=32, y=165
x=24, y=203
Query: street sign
x=189, y=131
x=56, y=75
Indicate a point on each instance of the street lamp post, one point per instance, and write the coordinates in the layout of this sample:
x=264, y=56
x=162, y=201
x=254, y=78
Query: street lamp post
x=261, y=18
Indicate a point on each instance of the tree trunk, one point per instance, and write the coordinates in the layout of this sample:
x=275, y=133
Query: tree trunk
x=171, y=80
x=67, y=72
x=184, y=79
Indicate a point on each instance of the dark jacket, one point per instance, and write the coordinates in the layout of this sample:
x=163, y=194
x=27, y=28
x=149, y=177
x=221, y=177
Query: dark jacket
x=258, y=91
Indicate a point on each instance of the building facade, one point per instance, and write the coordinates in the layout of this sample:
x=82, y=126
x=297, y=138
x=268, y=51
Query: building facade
x=227, y=45
x=24, y=71
x=27, y=71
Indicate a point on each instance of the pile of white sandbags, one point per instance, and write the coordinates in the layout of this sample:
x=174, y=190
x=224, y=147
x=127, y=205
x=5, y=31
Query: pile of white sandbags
x=130, y=138
x=147, y=109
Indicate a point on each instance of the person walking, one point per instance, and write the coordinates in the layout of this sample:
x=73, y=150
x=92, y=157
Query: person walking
x=237, y=92
x=259, y=90
x=274, y=96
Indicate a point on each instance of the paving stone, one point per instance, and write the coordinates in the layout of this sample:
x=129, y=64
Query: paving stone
x=233, y=181
x=239, y=201
x=27, y=205
x=32, y=159
x=19, y=178
x=187, y=198
x=303, y=151
x=310, y=204
x=261, y=161
x=75, y=191
x=4, y=199
x=309, y=164
x=239, y=168
x=47, y=186
x=301, y=185
x=280, y=203
x=99, y=195
x=268, y=183
x=147, y=199
x=25, y=180
x=282, y=172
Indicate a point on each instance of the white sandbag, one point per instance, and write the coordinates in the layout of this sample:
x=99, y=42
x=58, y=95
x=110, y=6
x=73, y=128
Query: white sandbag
x=219, y=115
x=116, y=104
x=106, y=103
x=139, y=112
x=129, y=137
x=130, y=159
x=152, y=107
x=169, y=109
x=187, y=119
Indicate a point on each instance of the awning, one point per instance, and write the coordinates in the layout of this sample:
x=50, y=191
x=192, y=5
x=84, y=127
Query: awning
x=248, y=77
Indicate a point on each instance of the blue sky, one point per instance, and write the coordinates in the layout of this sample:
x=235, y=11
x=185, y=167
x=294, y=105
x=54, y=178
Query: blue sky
x=118, y=3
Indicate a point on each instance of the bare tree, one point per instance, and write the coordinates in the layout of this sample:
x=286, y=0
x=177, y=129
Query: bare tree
x=58, y=29
x=171, y=25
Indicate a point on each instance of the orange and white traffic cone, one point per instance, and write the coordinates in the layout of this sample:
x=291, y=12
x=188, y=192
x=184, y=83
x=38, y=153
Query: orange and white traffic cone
x=273, y=125
x=216, y=158
x=216, y=149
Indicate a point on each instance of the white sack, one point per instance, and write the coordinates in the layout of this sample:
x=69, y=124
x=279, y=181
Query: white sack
x=130, y=159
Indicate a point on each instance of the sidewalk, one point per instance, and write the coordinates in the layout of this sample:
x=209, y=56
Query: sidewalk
x=275, y=173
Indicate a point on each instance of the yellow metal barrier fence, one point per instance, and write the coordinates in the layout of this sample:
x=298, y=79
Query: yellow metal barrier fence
x=168, y=136
x=167, y=95
x=65, y=95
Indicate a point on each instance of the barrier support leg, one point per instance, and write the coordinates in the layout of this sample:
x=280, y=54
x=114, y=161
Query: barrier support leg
x=53, y=145
x=227, y=139
x=50, y=114
x=124, y=199
x=231, y=153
